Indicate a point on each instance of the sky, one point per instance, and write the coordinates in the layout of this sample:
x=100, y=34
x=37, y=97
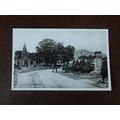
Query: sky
x=89, y=39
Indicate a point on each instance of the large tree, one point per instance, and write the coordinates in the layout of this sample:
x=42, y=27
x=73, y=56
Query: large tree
x=53, y=51
x=68, y=53
x=60, y=51
x=47, y=48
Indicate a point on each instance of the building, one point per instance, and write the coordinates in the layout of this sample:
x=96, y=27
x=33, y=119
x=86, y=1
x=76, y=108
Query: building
x=22, y=58
x=94, y=58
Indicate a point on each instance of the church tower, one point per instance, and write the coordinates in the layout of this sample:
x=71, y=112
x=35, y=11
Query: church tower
x=24, y=51
x=25, y=56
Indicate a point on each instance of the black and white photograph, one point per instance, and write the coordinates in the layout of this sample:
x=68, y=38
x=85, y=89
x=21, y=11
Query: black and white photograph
x=60, y=59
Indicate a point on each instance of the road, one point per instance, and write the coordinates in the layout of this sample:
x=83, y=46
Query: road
x=48, y=79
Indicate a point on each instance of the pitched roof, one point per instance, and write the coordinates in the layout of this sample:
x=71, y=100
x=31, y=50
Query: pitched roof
x=24, y=48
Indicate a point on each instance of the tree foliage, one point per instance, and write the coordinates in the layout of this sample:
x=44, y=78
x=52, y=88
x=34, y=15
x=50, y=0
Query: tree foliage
x=68, y=53
x=53, y=51
x=18, y=54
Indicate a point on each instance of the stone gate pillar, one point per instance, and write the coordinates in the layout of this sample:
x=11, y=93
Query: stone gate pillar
x=98, y=61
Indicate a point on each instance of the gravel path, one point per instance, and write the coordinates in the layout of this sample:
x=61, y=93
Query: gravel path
x=48, y=79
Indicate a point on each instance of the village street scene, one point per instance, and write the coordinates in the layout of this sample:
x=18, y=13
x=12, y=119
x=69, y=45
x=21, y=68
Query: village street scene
x=58, y=65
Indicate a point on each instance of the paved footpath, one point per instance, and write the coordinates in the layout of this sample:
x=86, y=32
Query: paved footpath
x=48, y=79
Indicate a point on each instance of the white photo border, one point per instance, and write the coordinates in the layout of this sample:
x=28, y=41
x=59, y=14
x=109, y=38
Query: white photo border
x=109, y=88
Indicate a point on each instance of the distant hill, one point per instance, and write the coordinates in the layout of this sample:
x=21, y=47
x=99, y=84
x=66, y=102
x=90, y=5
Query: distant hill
x=85, y=52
